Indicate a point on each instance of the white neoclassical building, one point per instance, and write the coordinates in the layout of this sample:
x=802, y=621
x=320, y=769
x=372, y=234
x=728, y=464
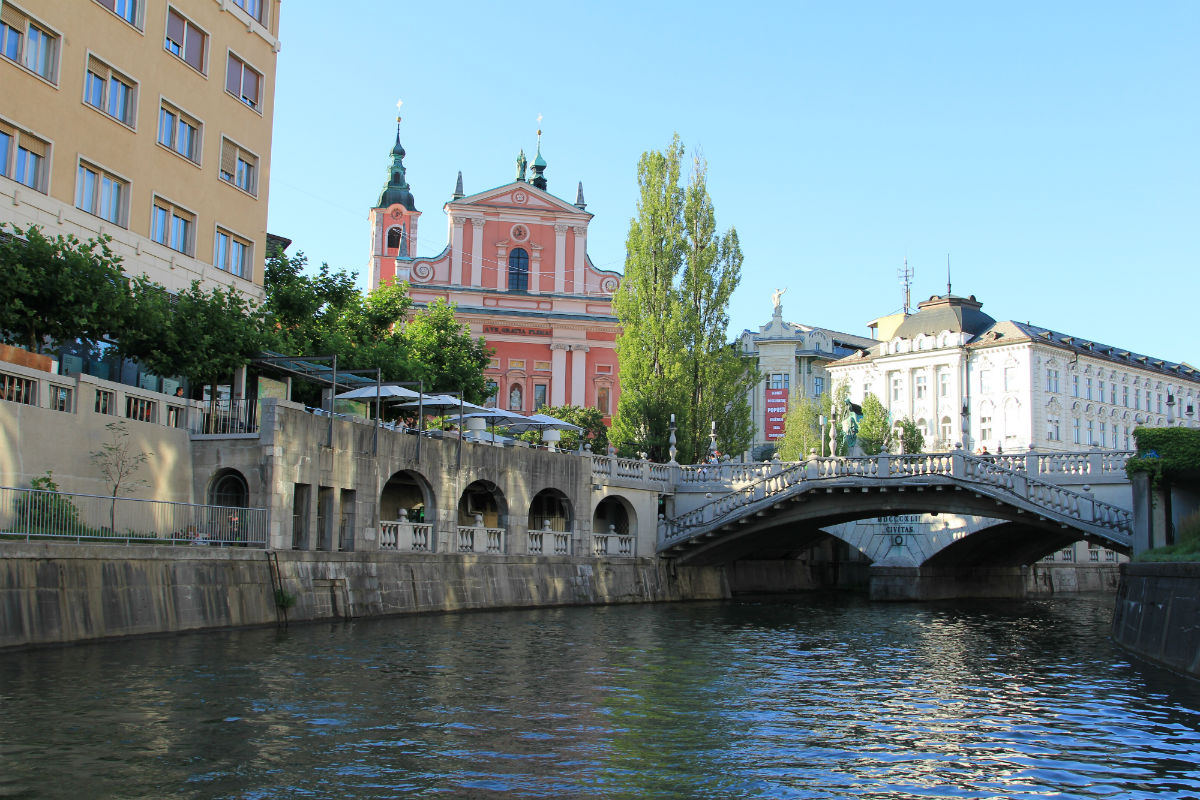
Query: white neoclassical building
x=791, y=358
x=968, y=379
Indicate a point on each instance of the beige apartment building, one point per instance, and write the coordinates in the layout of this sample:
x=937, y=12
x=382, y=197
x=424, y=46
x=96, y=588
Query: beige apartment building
x=148, y=121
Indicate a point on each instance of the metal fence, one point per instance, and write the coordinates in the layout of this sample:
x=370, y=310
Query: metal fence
x=36, y=514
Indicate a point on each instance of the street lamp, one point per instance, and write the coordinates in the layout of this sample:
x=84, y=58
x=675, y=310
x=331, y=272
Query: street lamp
x=823, y=420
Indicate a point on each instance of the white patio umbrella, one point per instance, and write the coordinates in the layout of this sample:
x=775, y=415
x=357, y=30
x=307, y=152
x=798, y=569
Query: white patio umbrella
x=540, y=422
x=497, y=417
x=433, y=402
x=386, y=391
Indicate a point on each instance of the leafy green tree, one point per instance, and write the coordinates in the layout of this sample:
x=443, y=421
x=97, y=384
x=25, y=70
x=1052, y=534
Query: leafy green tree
x=444, y=354
x=679, y=275
x=647, y=305
x=56, y=290
x=305, y=312
x=202, y=335
x=802, y=433
x=875, y=429
x=912, y=440
x=719, y=377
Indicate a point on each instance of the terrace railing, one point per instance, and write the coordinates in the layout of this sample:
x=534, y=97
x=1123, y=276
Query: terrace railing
x=43, y=515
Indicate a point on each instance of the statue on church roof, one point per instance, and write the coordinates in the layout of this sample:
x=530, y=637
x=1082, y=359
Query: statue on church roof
x=521, y=164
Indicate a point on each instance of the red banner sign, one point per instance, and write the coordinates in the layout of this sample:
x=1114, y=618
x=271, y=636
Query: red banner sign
x=776, y=409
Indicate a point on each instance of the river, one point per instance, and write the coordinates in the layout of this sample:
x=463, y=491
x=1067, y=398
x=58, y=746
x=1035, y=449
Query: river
x=810, y=697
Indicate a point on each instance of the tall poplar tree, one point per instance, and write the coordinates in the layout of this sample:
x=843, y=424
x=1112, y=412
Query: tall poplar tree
x=672, y=304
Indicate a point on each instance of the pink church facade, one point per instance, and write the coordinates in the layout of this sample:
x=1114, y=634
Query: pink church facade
x=516, y=266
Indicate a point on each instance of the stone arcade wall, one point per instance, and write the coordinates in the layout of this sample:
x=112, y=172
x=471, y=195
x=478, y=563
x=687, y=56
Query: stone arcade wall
x=58, y=593
x=1157, y=616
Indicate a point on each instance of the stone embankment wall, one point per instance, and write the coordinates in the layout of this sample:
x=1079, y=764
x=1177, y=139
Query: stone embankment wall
x=1157, y=616
x=59, y=593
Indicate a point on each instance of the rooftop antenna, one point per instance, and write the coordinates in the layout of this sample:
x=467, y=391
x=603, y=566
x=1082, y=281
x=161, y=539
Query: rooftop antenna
x=947, y=273
x=906, y=276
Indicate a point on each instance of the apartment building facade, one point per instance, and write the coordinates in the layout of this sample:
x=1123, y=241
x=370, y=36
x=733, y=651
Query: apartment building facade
x=145, y=120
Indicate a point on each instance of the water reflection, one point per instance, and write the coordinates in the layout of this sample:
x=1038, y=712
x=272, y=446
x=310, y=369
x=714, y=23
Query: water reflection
x=817, y=697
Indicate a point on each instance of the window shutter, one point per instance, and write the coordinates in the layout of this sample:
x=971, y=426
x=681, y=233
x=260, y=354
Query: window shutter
x=250, y=86
x=35, y=146
x=13, y=18
x=233, y=76
x=175, y=28
x=228, y=157
x=97, y=66
x=193, y=48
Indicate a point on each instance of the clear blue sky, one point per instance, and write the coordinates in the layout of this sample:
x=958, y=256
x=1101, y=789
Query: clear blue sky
x=1051, y=149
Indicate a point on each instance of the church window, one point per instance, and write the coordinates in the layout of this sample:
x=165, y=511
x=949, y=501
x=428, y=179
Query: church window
x=602, y=402
x=539, y=395
x=518, y=270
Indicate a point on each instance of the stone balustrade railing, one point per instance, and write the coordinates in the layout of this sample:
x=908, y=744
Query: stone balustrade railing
x=980, y=470
x=1095, y=466
x=404, y=535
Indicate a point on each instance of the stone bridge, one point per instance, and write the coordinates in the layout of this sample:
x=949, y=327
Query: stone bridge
x=992, y=512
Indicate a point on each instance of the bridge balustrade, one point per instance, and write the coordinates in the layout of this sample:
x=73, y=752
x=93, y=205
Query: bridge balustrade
x=560, y=541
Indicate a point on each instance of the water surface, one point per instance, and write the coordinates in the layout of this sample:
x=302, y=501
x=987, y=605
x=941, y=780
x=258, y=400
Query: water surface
x=816, y=697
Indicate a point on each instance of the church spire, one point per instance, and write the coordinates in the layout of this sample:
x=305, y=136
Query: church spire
x=458, y=189
x=539, y=163
x=579, y=203
x=396, y=190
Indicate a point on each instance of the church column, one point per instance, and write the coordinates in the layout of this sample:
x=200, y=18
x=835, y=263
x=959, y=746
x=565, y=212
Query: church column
x=578, y=373
x=558, y=373
x=535, y=268
x=501, y=267
x=476, y=251
x=560, y=259
x=456, y=256
x=580, y=254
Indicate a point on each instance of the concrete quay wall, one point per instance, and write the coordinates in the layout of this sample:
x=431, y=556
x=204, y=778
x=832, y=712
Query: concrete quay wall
x=1157, y=616
x=61, y=593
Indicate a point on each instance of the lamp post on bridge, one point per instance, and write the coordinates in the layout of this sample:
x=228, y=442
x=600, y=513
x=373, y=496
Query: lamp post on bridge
x=823, y=421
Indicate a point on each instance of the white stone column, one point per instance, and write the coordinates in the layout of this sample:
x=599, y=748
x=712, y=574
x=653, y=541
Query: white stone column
x=558, y=373
x=578, y=373
x=535, y=268
x=580, y=253
x=501, y=267
x=477, y=251
x=560, y=259
x=456, y=255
